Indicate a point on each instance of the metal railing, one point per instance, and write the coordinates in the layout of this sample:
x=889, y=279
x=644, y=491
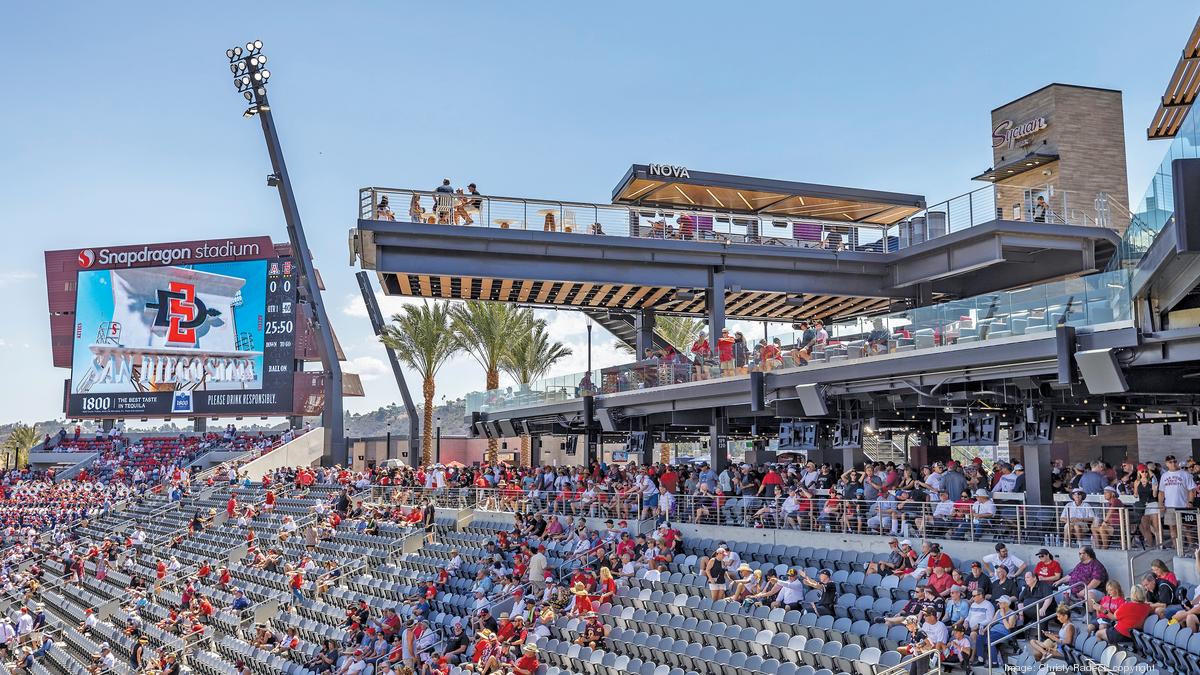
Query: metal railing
x=1040, y=204
x=1108, y=527
x=1038, y=619
x=1017, y=523
x=600, y=504
x=643, y=222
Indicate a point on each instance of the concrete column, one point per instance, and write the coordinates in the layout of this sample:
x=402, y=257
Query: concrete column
x=108, y=424
x=535, y=450
x=716, y=306
x=1036, y=461
x=852, y=457
x=718, y=457
x=643, y=321
x=924, y=294
x=199, y=424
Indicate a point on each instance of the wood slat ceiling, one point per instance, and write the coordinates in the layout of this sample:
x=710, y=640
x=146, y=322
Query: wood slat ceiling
x=616, y=297
x=1181, y=91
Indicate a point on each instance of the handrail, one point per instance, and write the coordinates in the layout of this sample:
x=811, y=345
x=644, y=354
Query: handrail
x=1037, y=622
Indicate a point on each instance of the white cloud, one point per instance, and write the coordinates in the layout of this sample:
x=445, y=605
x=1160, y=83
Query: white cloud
x=388, y=305
x=15, y=277
x=3, y=343
x=367, y=367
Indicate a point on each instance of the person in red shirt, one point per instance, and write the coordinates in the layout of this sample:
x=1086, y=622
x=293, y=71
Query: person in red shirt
x=160, y=570
x=725, y=352
x=297, y=584
x=205, y=570
x=231, y=507
x=1047, y=569
x=701, y=354
x=583, y=600
x=484, y=658
x=608, y=586
x=269, y=501
x=1129, y=617
x=528, y=663
x=206, y=607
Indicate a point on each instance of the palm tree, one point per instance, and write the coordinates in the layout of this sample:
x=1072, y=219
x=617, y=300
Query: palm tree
x=528, y=358
x=679, y=331
x=486, y=331
x=424, y=340
x=19, y=442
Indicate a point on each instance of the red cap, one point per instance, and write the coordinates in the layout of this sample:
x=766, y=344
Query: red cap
x=977, y=460
x=1141, y=467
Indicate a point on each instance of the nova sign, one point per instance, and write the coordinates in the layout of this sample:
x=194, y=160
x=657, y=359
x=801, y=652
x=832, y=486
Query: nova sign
x=668, y=170
x=1008, y=133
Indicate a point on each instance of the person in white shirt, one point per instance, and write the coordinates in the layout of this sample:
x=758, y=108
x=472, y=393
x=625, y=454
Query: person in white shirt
x=934, y=630
x=791, y=591
x=139, y=537
x=1077, y=517
x=1001, y=557
x=8, y=634
x=1175, y=488
x=979, y=615
x=732, y=559
x=24, y=623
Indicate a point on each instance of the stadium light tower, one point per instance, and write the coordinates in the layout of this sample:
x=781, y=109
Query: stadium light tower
x=249, y=68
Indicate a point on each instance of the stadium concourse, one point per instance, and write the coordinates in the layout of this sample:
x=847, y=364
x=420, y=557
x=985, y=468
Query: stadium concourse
x=436, y=570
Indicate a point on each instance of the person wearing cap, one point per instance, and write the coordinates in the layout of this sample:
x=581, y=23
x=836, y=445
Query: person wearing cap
x=528, y=663
x=717, y=574
x=983, y=510
x=1176, y=488
x=823, y=606
x=354, y=665
x=957, y=606
x=790, y=591
x=1004, y=584
x=1077, y=517
x=593, y=633
x=1009, y=620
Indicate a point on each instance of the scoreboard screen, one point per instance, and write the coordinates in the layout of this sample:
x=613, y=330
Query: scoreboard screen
x=206, y=339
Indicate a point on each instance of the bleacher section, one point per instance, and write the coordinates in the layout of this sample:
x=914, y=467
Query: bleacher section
x=667, y=627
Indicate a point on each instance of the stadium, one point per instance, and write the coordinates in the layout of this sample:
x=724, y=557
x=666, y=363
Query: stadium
x=964, y=435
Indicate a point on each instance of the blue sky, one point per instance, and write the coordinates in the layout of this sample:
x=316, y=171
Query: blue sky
x=121, y=124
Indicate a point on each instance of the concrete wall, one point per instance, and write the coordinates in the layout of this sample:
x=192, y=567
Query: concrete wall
x=304, y=451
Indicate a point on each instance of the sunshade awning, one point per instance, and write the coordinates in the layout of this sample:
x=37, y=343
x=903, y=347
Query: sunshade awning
x=1181, y=91
x=676, y=187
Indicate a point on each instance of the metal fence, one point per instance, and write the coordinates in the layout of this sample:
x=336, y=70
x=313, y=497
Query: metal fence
x=1103, y=527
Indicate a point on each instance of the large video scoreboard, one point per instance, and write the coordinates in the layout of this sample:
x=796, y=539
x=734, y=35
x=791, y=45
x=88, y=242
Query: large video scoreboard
x=181, y=329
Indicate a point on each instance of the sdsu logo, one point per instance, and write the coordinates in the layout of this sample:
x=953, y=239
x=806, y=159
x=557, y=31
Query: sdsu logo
x=180, y=312
x=87, y=258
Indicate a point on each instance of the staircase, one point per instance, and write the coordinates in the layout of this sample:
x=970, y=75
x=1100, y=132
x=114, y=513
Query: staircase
x=623, y=327
x=877, y=448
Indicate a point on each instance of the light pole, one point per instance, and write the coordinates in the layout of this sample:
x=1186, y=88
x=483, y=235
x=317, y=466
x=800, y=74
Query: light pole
x=250, y=77
x=589, y=353
x=438, y=443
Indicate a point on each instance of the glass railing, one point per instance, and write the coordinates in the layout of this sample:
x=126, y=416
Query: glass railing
x=1157, y=206
x=1093, y=300
x=980, y=206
